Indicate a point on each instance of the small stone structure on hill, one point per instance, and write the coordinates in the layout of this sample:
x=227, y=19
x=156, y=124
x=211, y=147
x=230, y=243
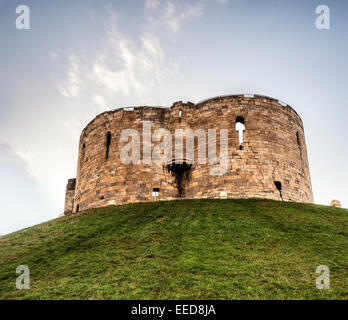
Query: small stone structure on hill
x=335, y=203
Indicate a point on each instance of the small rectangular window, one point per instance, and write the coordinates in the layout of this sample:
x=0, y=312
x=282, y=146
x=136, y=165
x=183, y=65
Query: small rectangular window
x=155, y=192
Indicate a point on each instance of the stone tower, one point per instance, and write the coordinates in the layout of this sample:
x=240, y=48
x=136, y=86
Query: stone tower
x=267, y=156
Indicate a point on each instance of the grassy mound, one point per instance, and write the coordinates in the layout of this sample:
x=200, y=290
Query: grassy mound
x=190, y=249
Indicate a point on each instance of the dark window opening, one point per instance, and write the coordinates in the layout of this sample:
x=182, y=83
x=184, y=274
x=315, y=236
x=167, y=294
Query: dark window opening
x=298, y=139
x=108, y=142
x=278, y=185
x=102, y=198
x=155, y=189
x=299, y=143
x=181, y=172
x=83, y=152
x=180, y=114
x=77, y=208
x=240, y=120
x=241, y=147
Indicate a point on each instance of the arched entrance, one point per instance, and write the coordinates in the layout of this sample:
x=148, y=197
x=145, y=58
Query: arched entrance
x=181, y=170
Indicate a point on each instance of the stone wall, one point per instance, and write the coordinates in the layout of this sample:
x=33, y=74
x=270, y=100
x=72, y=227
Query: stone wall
x=69, y=196
x=271, y=163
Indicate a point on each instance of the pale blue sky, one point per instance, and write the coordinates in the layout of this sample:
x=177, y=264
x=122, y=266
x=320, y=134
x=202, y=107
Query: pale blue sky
x=81, y=58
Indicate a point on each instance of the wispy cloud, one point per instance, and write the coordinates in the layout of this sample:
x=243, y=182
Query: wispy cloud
x=16, y=156
x=71, y=86
x=127, y=68
x=124, y=64
x=170, y=14
x=99, y=100
x=152, y=4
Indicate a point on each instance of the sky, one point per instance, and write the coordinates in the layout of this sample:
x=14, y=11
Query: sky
x=81, y=58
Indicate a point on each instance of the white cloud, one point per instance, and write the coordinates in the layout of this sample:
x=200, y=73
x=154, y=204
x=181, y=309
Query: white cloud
x=123, y=64
x=71, y=87
x=17, y=156
x=99, y=100
x=128, y=64
x=152, y=4
x=171, y=14
x=129, y=68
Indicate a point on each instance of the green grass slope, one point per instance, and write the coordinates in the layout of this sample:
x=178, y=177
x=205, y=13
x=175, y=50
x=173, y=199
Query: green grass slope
x=190, y=249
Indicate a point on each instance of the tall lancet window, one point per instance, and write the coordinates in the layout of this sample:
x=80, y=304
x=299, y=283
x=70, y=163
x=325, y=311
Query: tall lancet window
x=180, y=115
x=108, y=142
x=240, y=127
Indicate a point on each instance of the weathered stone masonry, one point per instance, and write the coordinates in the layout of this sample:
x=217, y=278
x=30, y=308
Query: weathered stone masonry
x=271, y=163
x=69, y=195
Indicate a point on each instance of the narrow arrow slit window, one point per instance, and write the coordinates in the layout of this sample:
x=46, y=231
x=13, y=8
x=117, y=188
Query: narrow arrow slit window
x=108, y=142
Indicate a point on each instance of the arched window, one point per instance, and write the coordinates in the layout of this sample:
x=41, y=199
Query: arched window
x=240, y=127
x=180, y=115
x=108, y=142
x=278, y=186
